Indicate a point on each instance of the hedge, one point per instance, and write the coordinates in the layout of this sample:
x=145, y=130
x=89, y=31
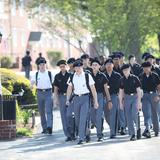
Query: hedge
x=14, y=83
x=5, y=91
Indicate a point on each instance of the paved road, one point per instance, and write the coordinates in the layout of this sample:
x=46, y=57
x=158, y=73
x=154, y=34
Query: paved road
x=45, y=147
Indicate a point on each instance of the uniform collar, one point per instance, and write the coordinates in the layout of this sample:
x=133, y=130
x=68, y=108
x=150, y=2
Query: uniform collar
x=80, y=74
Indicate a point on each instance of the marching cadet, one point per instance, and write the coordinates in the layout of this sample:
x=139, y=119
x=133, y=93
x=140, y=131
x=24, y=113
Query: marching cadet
x=150, y=58
x=80, y=84
x=116, y=61
x=60, y=89
x=121, y=58
x=150, y=84
x=130, y=98
x=121, y=117
x=136, y=68
x=114, y=85
x=43, y=80
x=85, y=59
x=101, y=85
x=70, y=64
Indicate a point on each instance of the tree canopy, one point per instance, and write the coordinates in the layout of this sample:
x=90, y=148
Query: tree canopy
x=123, y=25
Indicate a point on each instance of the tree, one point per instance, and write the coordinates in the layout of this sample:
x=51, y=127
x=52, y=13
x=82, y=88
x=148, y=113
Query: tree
x=119, y=25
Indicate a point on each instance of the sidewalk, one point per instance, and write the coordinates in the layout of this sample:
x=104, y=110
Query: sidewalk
x=45, y=147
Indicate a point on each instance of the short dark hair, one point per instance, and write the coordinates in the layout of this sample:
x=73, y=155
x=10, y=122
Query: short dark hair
x=27, y=52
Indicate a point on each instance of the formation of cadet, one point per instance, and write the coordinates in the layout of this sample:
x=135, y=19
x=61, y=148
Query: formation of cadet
x=97, y=88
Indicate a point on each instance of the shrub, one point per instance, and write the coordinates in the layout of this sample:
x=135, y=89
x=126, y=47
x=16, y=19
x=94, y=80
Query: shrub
x=54, y=56
x=6, y=62
x=14, y=83
x=5, y=91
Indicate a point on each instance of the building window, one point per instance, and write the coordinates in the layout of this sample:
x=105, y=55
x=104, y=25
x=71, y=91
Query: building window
x=13, y=10
x=2, y=7
x=23, y=39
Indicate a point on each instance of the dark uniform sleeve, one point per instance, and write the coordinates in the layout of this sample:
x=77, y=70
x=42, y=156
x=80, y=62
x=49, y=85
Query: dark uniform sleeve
x=105, y=79
x=157, y=79
x=55, y=83
x=137, y=82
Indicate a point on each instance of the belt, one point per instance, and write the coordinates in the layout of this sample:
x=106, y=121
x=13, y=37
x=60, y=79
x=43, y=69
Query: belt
x=63, y=94
x=44, y=90
x=131, y=94
x=79, y=95
x=150, y=92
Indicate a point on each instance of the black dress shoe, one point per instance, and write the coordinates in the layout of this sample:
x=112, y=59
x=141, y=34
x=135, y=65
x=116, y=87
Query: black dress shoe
x=88, y=139
x=44, y=131
x=156, y=134
x=122, y=132
x=133, y=138
x=80, y=142
x=68, y=139
x=49, y=129
x=92, y=126
x=100, y=139
x=146, y=134
x=73, y=137
x=112, y=136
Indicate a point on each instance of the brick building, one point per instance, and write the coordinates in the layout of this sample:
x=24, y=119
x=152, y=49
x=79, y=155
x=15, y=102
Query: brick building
x=16, y=25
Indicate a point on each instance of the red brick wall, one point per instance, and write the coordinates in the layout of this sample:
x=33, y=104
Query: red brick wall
x=7, y=129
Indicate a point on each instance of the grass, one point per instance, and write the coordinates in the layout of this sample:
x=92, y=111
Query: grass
x=24, y=132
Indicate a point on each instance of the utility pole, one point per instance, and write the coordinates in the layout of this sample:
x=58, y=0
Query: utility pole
x=10, y=26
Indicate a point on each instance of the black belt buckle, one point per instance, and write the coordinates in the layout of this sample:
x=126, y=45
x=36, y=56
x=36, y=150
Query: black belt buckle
x=79, y=95
x=44, y=90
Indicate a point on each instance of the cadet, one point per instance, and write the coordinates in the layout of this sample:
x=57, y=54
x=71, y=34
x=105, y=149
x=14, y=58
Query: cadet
x=70, y=64
x=80, y=84
x=150, y=58
x=130, y=93
x=43, y=80
x=40, y=57
x=114, y=85
x=116, y=61
x=85, y=60
x=26, y=64
x=60, y=89
x=150, y=83
x=136, y=68
x=121, y=116
x=101, y=85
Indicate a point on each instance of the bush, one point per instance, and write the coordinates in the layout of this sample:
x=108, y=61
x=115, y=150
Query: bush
x=14, y=83
x=5, y=91
x=6, y=62
x=54, y=56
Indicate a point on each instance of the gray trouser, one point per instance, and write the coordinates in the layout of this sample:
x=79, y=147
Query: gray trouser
x=130, y=106
x=63, y=112
x=98, y=114
x=27, y=71
x=121, y=118
x=114, y=114
x=150, y=110
x=45, y=106
x=106, y=112
x=81, y=110
x=70, y=119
